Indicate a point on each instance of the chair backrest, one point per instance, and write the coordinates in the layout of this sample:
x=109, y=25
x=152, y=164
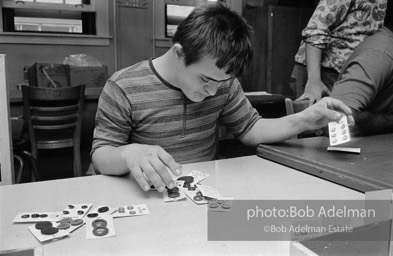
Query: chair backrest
x=53, y=116
x=293, y=107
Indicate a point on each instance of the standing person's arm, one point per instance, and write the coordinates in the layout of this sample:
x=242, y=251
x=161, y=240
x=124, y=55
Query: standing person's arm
x=316, y=36
x=365, y=86
x=314, y=88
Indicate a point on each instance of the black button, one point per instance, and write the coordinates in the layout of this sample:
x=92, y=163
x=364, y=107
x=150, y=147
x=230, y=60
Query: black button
x=49, y=231
x=44, y=224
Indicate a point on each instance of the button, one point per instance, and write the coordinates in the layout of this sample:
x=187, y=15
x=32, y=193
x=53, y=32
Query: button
x=76, y=222
x=71, y=206
x=226, y=206
x=66, y=212
x=192, y=188
x=130, y=207
x=92, y=215
x=121, y=210
x=173, y=190
x=35, y=215
x=84, y=206
x=100, y=231
x=65, y=220
x=174, y=195
x=187, y=179
x=99, y=223
x=198, y=198
x=43, y=215
x=44, y=224
x=103, y=209
x=49, y=231
x=132, y=212
x=25, y=216
x=64, y=226
x=213, y=204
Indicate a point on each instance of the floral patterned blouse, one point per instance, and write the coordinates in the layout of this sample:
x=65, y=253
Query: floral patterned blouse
x=338, y=26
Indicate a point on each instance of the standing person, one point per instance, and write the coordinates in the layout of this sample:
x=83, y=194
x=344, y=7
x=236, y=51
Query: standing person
x=160, y=113
x=335, y=29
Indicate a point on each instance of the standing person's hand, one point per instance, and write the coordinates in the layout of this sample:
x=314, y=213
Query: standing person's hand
x=314, y=91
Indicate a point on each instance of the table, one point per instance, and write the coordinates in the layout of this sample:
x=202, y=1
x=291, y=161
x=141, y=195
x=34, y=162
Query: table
x=176, y=228
x=370, y=170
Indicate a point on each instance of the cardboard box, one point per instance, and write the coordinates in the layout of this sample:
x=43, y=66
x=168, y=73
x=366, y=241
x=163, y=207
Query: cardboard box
x=90, y=76
x=38, y=75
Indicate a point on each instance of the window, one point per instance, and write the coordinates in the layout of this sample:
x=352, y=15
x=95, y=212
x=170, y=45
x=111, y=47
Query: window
x=176, y=12
x=48, y=18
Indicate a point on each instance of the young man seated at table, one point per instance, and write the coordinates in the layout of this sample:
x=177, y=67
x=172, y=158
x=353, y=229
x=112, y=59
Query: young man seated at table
x=163, y=112
x=365, y=84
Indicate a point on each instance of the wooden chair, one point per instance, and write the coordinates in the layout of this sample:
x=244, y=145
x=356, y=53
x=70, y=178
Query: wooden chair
x=293, y=107
x=54, y=118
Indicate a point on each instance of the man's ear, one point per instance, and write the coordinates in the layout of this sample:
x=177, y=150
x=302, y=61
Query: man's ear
x=178, y=50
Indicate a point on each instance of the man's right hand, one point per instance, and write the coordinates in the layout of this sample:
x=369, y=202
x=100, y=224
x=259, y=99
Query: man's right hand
x=150, y=164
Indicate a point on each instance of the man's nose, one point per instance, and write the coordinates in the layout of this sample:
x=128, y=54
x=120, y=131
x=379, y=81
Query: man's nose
x=211, y=88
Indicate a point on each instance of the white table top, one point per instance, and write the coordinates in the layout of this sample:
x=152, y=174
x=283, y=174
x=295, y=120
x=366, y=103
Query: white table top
x=176, y=228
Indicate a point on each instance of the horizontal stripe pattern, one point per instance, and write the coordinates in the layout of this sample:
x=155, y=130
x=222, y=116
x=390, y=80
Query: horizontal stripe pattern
x=137, y=106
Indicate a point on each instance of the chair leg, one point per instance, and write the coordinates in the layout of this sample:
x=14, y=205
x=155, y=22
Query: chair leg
x=33, y=161
x=20, y=169
x=77, y=162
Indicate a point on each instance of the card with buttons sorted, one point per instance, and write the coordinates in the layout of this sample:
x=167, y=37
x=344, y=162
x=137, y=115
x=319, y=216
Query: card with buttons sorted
x=76, y=211
x=100, y=227
x=195, y=195
x=100, y=210
x=339, y=131
x=208, y=191
x=176, y=193
x=26, y=217
x=50, y=230
x=46, y=231
x=131, y=210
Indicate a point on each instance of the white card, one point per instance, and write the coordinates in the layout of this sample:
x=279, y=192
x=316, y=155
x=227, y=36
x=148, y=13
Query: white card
x=26, y=217
x=131, y=210
x=76, y=211
x=339, y=131
x=179, y=194
x=99, y=211
x=196, y=196
x=44, y=238
x=342, y=149
x=208, y=191
x=198, y=176
x=100, y=227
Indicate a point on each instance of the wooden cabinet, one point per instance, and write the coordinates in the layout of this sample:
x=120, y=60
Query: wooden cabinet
x=277, y=39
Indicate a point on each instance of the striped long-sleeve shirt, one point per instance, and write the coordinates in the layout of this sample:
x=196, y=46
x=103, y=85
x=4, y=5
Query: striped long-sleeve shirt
x=138, y=106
